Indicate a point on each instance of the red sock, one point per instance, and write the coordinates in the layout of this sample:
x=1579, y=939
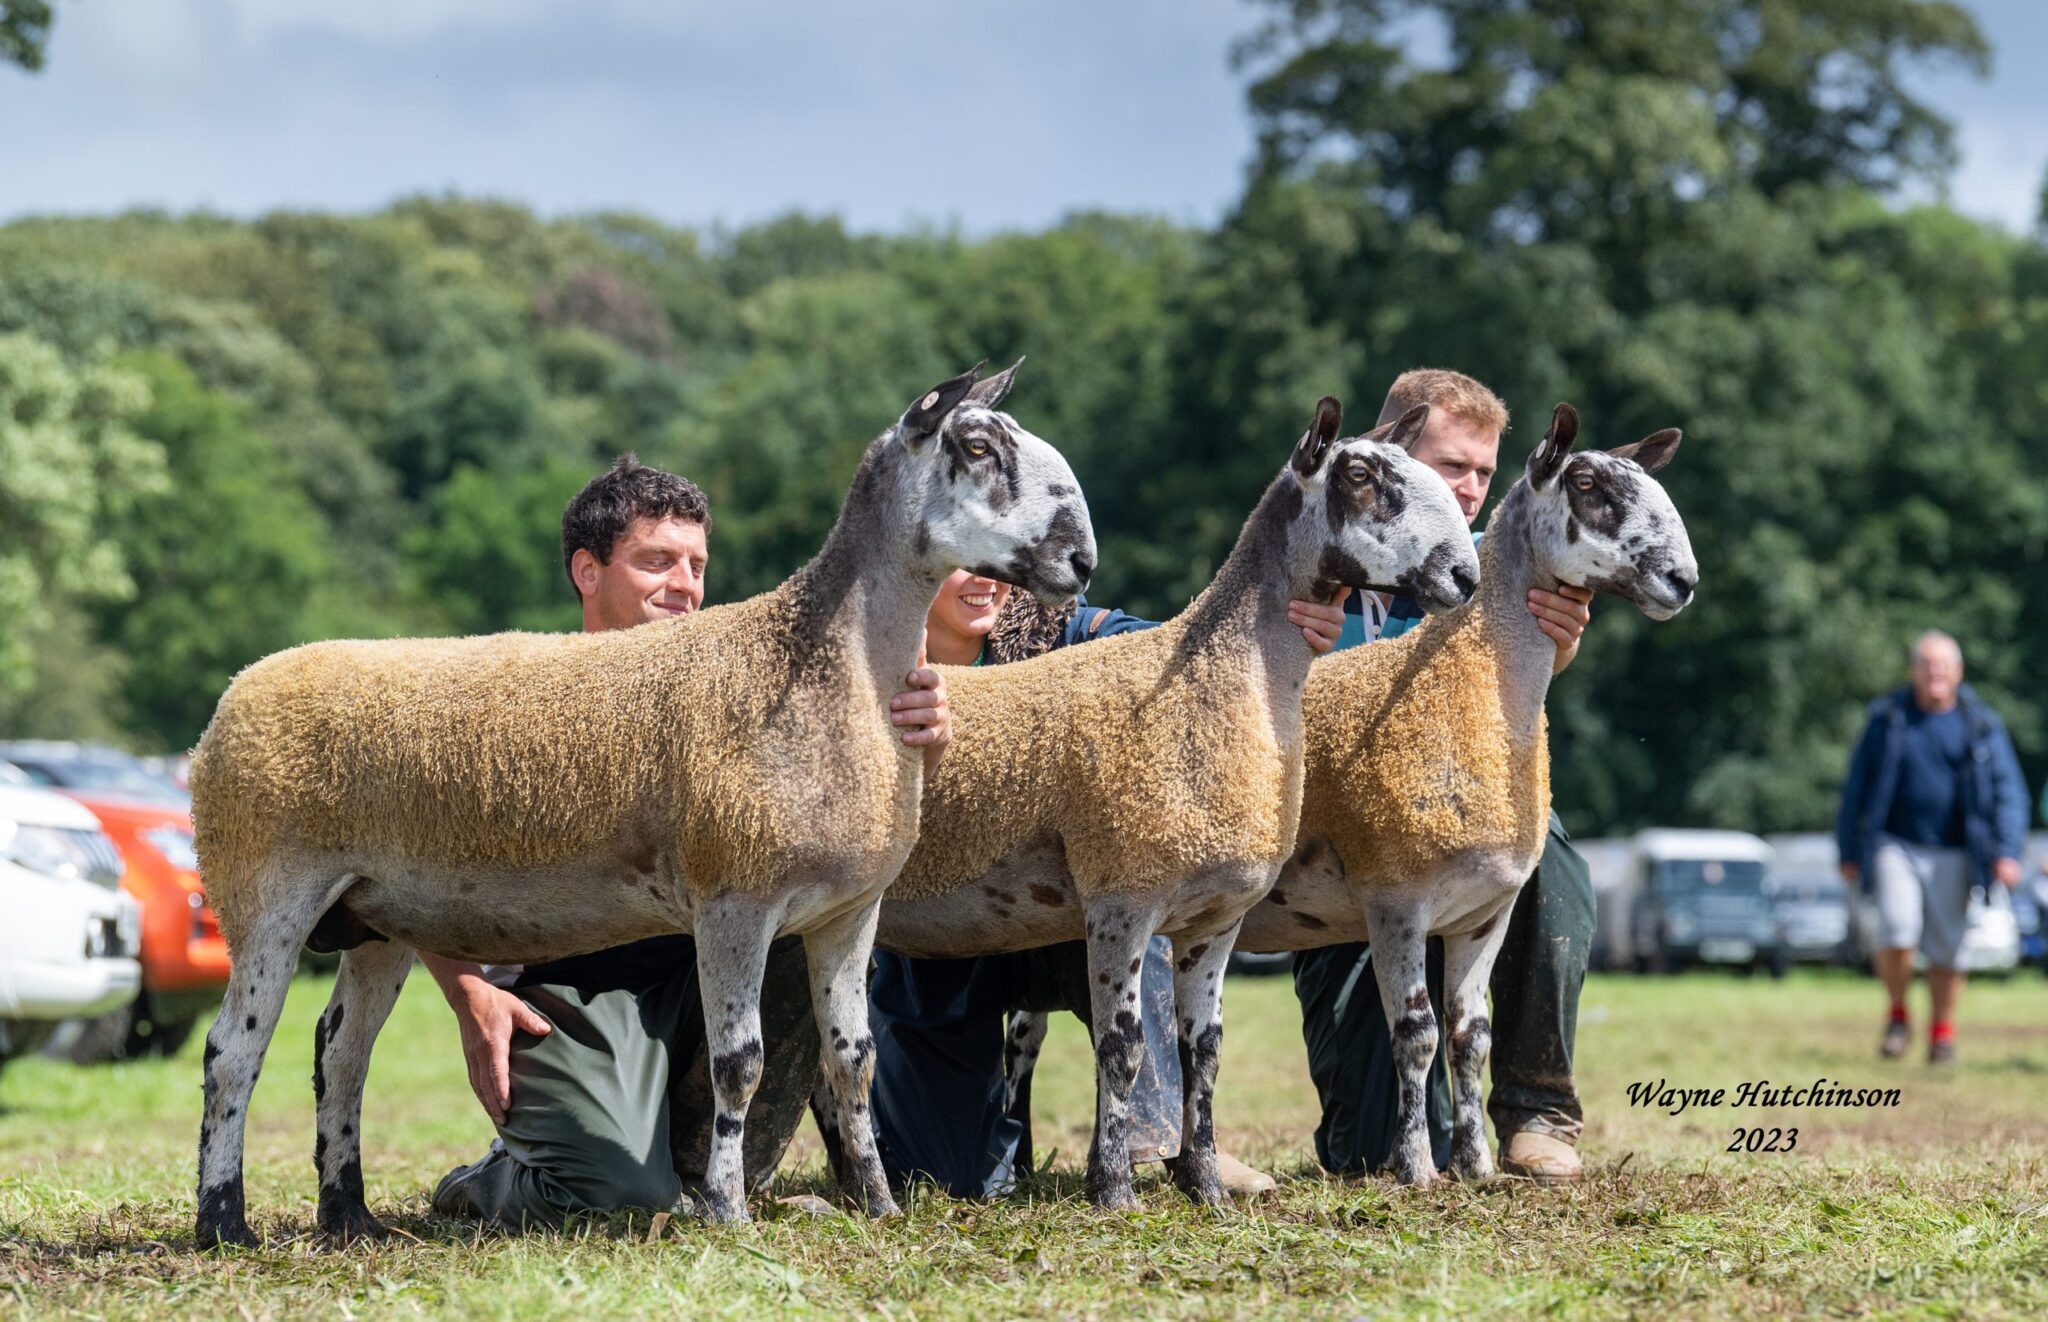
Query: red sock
x=1944, y=1031
x=1898, y=1012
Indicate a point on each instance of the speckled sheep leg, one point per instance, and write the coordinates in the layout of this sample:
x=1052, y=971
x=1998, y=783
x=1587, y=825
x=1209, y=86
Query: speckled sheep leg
x=838, y=955
x=1468, y=967
x=733, y=935
x=1117, y=936
x=1198, y=965
x=1399, y=961
x=241, y=1032
x=372, y=975
x=1021, y=1045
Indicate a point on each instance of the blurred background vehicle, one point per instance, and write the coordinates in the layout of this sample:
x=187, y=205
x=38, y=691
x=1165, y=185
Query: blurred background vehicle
x=69, y=937
x=1811, y=900
x=1679, y=898
x=184, y=957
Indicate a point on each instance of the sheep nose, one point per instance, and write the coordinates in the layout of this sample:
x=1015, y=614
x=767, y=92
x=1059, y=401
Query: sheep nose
x=1467, y=581
x=1084, y=566
x=1683, y=580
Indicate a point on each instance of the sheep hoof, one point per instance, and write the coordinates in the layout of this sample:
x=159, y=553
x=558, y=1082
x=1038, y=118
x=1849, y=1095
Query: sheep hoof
x=1472, y=1170
x=1416, y=1175
x=346, y=1226
x=1114, y=1200
x=227, y=1237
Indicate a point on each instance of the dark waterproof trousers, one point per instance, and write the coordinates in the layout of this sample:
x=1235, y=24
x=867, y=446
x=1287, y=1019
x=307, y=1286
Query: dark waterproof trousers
x=1535, y=987
x=939, y=1027
x=613, y=1109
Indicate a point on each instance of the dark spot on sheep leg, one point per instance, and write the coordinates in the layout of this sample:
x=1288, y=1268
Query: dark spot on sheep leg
x=1414, y=1035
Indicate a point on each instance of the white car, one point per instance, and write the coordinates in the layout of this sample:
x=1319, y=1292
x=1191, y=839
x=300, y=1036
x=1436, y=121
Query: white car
x=69, y=934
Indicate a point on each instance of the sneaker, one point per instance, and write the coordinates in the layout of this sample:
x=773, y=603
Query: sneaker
x=1545, y=1158
x=1897, y=1037
x=1240, y=1181
x=1941, y=1051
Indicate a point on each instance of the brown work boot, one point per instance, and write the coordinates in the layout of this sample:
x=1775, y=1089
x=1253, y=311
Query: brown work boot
x=1539, y=1156
x=1240, y=1181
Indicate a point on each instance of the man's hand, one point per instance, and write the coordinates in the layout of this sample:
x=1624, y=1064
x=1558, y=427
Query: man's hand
x=1320, y=624
x=1563, y=615
x=2006, y=871
x=487, y=1017
x=922, y=708
x=1851, y=872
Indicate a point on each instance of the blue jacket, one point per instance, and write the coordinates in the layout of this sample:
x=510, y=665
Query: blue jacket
x=1994, y=793
x=1100, y=622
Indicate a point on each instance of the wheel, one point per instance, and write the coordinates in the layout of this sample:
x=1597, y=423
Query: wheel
x=1778, y=963
x=131, y=1032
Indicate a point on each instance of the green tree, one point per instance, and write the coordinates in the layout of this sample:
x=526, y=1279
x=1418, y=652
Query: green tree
x=24, y=32
x=72, y=472
x=225, y=558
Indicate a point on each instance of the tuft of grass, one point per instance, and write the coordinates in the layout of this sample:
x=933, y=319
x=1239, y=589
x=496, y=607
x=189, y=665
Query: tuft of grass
x=1935, y=1208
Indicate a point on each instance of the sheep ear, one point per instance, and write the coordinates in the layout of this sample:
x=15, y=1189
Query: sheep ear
x=990, y=393
x=1550, y=452
x=921, y=420
x=1314, y=445
x=1653, y=451
x=1407, y=428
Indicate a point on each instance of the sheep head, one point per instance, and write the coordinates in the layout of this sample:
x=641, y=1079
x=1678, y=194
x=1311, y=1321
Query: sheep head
x=1375, y=517
x=1602, y=522
x=994, y=499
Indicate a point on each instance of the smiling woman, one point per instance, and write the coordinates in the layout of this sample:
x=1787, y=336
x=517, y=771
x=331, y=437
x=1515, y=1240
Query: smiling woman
x=961, y=617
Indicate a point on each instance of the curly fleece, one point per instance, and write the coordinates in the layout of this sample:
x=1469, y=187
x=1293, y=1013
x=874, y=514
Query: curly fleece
x=729, y=742
x=1410, y=757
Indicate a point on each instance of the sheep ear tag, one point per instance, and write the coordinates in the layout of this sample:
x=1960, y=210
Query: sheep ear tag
x=921, y=420
x=1314, y=446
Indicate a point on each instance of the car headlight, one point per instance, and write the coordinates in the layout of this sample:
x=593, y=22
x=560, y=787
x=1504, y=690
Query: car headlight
x=54, y=851
x=175, y=844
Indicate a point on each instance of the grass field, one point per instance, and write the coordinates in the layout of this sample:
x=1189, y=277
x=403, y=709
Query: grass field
x=1935, y=1208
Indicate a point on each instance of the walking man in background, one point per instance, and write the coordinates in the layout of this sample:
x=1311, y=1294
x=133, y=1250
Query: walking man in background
x=1933, y=806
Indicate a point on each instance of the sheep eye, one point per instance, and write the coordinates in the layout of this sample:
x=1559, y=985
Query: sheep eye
x=1355, y=474
x=976, y=447
x=1583, y=481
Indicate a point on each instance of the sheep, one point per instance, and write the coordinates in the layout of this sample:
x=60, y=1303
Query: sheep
x=1151, y=783
x=527, y=797
x=1427, y=788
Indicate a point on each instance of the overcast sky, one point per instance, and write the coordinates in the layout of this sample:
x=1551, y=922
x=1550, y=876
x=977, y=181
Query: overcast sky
x=991, y=114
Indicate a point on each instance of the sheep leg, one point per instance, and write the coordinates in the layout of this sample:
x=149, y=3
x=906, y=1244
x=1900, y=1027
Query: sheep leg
x=1021, y=1045
x=733, y=935
x=235, y=1045
x=1468, y=968
x=838, y=954
x=1198, y=966
x=1400, y=965
x=1117, y=936
x=372, y=975
x=825, y=1114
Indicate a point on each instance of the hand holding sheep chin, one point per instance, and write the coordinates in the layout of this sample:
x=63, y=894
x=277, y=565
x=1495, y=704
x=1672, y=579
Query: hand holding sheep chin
x=1563, y=615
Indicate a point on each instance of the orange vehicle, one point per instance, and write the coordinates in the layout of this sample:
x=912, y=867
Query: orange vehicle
x=184, y=957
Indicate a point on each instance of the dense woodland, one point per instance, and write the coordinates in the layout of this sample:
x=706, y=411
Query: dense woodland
x=219, y=437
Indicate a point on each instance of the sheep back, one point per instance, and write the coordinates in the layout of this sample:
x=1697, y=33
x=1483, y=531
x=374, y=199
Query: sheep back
x=715, y=740
x=1147, y=765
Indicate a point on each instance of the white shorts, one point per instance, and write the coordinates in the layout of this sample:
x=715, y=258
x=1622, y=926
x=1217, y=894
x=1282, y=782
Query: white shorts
x=1923, y=898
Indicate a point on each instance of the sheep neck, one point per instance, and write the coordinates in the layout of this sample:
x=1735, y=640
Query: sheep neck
x=863, y=586
x=1244, y=608
x=1509, y=566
